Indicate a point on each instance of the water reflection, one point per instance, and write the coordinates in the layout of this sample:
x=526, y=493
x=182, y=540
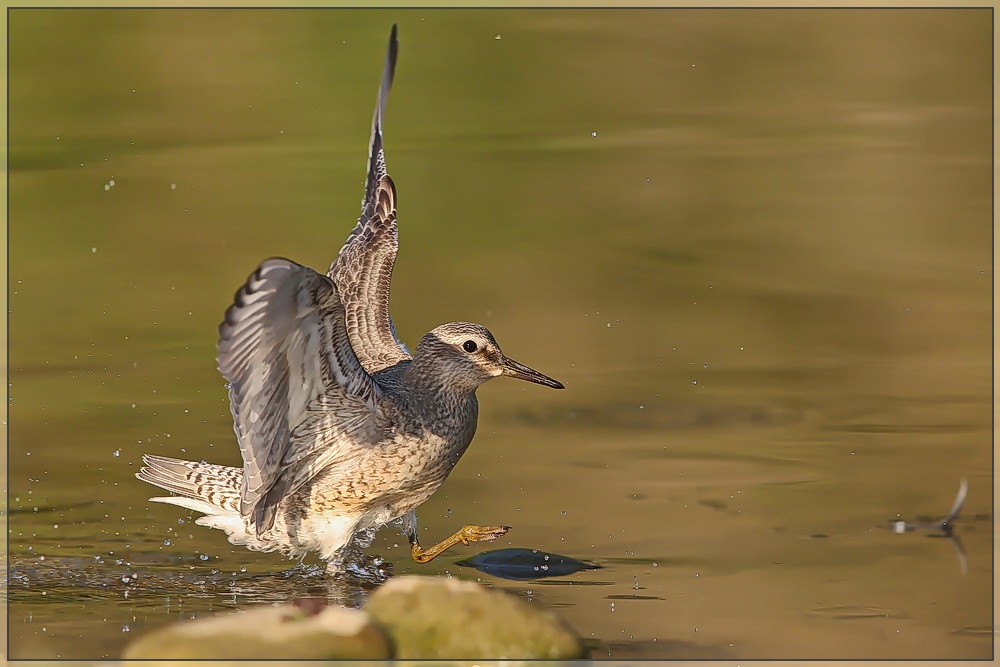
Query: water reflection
x=151, y=579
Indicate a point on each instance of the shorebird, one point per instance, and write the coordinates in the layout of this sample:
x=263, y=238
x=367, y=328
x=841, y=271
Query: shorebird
x=341, y=429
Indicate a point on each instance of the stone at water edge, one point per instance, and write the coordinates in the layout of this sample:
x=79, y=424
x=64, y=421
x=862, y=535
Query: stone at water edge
x=431, y=618
x=284, y=632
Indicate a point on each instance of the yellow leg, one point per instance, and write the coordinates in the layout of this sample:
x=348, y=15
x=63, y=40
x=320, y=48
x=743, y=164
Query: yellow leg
x=466, y=535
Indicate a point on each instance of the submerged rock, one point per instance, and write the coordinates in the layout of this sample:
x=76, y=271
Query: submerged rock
x=304, y=630
x=525, y=564
x=431, y=618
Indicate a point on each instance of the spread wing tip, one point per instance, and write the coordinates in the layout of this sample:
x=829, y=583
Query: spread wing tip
x=376, y=156
x=389, y=71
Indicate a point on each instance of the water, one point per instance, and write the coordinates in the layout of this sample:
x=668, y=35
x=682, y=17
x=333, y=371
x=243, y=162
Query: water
x=756, y=246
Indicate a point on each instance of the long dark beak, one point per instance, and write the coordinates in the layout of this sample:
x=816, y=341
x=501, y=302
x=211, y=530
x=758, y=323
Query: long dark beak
x=514, y=369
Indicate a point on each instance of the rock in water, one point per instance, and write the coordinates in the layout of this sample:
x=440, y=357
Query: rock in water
x=525, y=564
x=449, y=619
x=284, y=632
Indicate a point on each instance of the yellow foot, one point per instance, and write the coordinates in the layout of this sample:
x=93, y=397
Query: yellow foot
x=481, y=533
x=465, y=535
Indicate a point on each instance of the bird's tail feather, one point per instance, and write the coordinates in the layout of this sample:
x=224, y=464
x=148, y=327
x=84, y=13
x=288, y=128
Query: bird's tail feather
x=204, y=487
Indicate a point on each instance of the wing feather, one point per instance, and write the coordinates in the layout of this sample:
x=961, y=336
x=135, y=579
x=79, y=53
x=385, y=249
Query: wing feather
x=297, y=391
x=363, y=268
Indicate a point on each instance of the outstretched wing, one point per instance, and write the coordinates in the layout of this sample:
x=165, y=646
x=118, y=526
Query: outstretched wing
x=363, y=269
x=300, y=398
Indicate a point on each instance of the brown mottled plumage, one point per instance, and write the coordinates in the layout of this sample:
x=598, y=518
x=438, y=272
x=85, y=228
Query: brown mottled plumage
x=341, y=430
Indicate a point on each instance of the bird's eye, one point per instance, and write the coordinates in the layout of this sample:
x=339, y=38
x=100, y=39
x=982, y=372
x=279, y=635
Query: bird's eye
x=470, y=346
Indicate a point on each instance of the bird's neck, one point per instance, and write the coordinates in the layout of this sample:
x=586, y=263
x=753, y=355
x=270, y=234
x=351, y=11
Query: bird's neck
x=424, y=378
